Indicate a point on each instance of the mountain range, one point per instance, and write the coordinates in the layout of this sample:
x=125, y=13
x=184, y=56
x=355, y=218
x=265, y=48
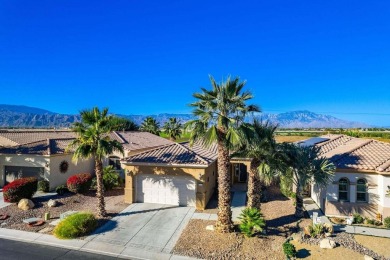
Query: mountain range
x=31, y=117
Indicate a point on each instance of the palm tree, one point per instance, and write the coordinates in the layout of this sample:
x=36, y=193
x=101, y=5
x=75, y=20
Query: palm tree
x=304, y=165
x=150, y=125
x=220, y=113
x=173, y=128
x=124, y=124
x=92, y=140
x=259, y=145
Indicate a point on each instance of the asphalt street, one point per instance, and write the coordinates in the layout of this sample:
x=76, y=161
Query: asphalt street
x=10, y=249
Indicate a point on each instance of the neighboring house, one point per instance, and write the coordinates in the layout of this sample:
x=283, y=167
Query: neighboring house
x=362, y=177
x=176, y=174
x=42, y=153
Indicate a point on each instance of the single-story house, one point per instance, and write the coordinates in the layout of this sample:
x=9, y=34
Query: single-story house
x=362, y=177
x=42, y=153
x=177, y=174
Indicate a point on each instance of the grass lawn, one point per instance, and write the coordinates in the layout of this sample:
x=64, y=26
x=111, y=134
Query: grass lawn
x=183, y=138
x=290, y=138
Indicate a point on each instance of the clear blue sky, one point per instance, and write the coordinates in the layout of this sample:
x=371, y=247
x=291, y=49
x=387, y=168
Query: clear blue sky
x=146, y=57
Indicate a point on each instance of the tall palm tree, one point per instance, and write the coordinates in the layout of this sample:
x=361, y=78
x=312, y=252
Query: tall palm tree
x=150, y=125
x=92, y=140
x=304, y=165
x=173, y=128
x=260, y=146
x=220, y=113
x=124, y=124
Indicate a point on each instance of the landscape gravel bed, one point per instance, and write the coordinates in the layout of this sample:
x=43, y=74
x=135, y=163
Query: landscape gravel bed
x=196, y=241
x=346, y=240
x=66, y=202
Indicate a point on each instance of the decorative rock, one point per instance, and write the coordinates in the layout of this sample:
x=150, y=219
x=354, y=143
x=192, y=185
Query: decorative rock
x=46, y=230
x=55, y=222
x=327, y=243
x=26, y=204
x=210, y=227
x=366, y=257
x=67, y=214
x=52, y=203
x=31, y=220
x=297, y=237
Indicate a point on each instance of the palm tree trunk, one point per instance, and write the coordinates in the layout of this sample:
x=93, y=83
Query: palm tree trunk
x=254, y=185
x=101, y=208
x=299, y=211
x=224, y=223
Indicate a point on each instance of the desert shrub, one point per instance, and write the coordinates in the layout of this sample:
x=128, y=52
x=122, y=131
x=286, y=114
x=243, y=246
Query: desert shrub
x=251, y=221
x=318, y=230
x=386, y=222
x=61, y=189
x=357, y=218
x=76, y=225
x=369, y=221
x=79, y=183
x=43, y=185
x=111, y=179
x=289, y=250
x=23, y=188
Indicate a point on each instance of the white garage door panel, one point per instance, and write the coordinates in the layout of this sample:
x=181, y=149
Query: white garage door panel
x=172, y=190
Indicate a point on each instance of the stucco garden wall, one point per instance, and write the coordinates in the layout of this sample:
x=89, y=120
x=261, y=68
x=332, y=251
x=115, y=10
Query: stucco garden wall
x=51, y=165
x=56, y=177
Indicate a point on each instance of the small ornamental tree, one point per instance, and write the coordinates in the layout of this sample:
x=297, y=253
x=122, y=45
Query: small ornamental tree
x=79, y=183
x=23, y=188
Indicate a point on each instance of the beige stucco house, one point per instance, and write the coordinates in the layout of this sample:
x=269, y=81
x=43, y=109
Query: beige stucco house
x=43, y=154
x=362, y=177
x=177, y=174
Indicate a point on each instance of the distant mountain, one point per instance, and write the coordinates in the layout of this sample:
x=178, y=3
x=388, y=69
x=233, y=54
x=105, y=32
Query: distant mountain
x=23, y=116
x=307, y=119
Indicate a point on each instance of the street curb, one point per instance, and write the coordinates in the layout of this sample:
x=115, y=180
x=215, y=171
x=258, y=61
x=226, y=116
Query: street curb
x=77, y=245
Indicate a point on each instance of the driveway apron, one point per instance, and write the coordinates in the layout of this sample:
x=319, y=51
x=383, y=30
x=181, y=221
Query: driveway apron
x=147, y=226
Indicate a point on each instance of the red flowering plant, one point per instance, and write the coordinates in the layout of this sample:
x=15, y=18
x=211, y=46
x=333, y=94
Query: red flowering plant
x=79, y=183
x=23, y=188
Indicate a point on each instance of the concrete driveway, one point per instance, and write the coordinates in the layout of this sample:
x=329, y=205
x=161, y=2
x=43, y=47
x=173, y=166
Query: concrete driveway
x=145, y=226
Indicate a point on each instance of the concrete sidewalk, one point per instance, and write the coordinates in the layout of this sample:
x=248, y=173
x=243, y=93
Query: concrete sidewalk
x=141, y=231
x=359, y=230
x=311, y=207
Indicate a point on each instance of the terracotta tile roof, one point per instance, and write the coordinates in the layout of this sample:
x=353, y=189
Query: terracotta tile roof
x=175, y=154
x=44, y=147
x=356, y=153
x=19, y=137
x=132, y=140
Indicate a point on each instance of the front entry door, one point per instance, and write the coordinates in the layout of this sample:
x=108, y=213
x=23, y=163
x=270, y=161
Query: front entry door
x=243, y=175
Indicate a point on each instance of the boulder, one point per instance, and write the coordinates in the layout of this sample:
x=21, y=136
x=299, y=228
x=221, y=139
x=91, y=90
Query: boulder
x=25, y=204
x=327, y=243
x=297, y=237
x=210, y=227
x=366, y=257
x=52, y=203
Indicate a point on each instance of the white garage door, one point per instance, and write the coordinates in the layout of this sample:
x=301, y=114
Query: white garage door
x=172, y=190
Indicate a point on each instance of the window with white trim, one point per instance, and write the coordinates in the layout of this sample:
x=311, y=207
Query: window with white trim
x=361, y=190
x=343, y=189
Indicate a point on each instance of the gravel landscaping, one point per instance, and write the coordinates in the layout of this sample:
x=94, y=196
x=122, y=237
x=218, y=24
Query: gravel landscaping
x=196, y=241
x=66, y=202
